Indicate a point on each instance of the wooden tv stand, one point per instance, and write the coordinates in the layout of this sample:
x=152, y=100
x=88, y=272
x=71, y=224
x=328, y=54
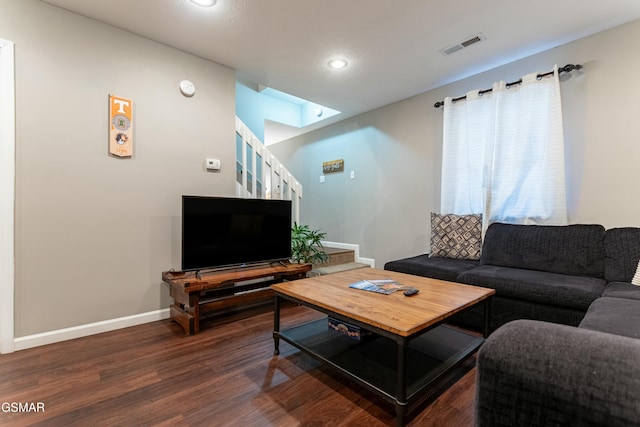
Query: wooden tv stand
x=217, y=290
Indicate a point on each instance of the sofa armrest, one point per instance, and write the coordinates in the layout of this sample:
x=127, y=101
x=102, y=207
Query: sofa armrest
x=533, y=373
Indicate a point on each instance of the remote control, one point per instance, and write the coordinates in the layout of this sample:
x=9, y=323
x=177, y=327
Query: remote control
x=410, y=292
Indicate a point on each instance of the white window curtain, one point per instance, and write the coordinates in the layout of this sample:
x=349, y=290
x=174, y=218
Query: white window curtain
x=503, y=153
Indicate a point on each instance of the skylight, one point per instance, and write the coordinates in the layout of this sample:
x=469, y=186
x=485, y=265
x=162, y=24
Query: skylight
x=310, y=112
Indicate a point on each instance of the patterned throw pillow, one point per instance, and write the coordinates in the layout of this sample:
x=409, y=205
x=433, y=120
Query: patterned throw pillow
x=636, y=277
x=456, y=236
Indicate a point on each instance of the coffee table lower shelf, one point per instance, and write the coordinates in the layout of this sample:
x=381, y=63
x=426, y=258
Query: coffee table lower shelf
x=373, y=362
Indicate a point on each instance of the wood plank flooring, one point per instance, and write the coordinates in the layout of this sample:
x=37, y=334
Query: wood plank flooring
x=227, y=375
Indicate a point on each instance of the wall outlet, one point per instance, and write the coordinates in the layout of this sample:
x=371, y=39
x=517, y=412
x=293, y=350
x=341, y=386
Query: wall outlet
x=213, y=164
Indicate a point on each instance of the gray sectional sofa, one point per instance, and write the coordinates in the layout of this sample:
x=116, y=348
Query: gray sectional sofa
x=532, y=373
x=566, y=319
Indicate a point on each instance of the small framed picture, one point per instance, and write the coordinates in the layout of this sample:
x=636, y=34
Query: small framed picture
x=333, y=166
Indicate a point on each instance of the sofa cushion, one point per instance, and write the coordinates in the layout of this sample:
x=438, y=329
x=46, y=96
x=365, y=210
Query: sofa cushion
x=614, y=315
x=561, y=290
x=576, y=250
x=456, y=236
x=437, y=268
x=622, y=290
x=622, y=253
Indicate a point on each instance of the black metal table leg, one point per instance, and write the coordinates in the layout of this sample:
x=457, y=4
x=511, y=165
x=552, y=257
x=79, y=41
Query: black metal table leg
x=276, y=325
x=487, y=317
x=401, y=394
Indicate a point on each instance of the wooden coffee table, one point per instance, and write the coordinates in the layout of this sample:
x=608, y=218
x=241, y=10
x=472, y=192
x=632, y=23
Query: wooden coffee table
x=410, y=348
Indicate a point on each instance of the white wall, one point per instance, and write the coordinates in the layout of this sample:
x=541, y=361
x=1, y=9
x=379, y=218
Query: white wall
x=94, y=232
x=396, y=150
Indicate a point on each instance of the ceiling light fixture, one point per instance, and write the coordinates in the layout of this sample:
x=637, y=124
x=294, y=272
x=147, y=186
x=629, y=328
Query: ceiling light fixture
x=337, y=63
x=204, y=3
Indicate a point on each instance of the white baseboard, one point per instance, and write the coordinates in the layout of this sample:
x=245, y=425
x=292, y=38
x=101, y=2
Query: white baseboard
x=44, y=338
x=355, y=248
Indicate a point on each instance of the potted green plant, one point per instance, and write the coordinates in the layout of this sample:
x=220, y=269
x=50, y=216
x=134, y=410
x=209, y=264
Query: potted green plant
x=306, y=245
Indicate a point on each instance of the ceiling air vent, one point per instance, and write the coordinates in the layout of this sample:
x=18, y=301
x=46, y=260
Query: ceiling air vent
x=476, y=38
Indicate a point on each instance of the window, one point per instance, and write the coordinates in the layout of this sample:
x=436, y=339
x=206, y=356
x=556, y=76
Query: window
x=239, y=158
x=249, y=161
x=259, y=176
x=503, y=154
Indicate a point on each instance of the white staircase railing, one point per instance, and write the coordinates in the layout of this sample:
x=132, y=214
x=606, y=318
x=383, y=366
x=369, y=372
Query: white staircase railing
x=260, y=175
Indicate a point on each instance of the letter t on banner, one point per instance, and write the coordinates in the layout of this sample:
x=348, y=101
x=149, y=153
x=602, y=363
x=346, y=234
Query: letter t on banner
x=120, y=126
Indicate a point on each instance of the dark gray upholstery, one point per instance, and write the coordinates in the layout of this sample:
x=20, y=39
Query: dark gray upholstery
x=573, y=249
x=552, y=373
x=504, y=310
x=622, y=290
x=550, y=273
x=437, y=268
x=614, y=315
x=536, y=286
x=622, y=253
x=539, y=374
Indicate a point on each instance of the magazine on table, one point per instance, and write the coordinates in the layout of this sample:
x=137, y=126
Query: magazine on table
x=381, y=286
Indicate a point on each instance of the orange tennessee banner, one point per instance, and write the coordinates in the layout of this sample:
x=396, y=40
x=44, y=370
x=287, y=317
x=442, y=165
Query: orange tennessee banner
x=120, y=126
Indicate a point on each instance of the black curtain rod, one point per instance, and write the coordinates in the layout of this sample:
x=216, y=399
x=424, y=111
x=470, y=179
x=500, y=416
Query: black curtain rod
x=567, y=68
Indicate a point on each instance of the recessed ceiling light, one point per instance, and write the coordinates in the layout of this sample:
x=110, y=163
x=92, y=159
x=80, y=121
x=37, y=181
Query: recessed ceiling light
x=337, y=63
x=204, y=3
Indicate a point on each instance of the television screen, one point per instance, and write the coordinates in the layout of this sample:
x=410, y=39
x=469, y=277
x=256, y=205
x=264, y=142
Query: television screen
x=221, y=231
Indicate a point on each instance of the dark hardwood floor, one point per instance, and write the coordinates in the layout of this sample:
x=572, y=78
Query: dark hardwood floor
x=227, y=375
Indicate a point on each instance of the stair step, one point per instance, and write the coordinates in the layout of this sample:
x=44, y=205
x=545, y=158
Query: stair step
x=321, y=271
x=337, y=256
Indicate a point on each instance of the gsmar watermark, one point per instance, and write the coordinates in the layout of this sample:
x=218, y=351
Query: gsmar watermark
x=22, y=407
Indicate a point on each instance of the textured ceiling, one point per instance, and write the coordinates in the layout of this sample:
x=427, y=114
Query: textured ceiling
x=392, y=46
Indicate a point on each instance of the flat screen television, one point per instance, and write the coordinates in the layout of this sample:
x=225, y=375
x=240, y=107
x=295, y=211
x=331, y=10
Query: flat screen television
x=223, y=231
